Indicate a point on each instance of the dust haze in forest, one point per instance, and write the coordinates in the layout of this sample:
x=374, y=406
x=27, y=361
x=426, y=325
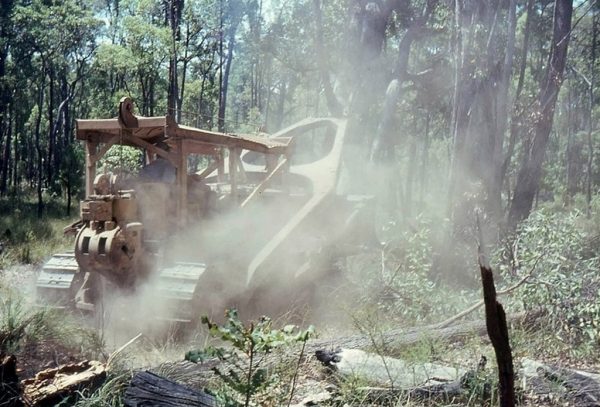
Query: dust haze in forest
x=306, y=280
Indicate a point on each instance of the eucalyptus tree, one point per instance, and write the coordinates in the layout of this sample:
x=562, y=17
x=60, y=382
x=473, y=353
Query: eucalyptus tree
x=6, y=11
x=55, y=40
x=530, y=170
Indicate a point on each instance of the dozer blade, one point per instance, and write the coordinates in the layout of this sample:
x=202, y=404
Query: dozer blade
x=58, y=280
x=178, y=289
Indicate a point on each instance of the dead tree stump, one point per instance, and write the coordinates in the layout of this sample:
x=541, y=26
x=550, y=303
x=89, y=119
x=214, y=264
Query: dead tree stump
x=495, y=319
x=10, y=393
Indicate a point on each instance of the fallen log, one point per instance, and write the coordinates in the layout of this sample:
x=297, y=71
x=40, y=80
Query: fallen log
x=391, y=372
x=401, y=337
x=148, y=389
x=199, y=374
x=574, y=386
x=52, y=386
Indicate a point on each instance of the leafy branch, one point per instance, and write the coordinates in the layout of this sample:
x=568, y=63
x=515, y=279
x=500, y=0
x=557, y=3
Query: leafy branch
x=246, y=377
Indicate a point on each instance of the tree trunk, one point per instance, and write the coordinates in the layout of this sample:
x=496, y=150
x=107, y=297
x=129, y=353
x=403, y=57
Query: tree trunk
x=38, y=148
x=518, y=113
x=51, y=134
x=382, y=148
x=496, y=181
x=173, y=18
x=424, y=161
x=5, y=163
x=5, y=94
x=530, y=170
x=333, y=104
x=570, y=161
x=225, y=84
x=463, y=95
x=590, y=161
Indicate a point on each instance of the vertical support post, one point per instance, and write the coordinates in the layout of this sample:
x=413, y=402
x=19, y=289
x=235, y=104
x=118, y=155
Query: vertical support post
x=286, y=171
x=241, y=172
x=232, y=173
x=221, y=167
x=91, y=148
x=182, y=180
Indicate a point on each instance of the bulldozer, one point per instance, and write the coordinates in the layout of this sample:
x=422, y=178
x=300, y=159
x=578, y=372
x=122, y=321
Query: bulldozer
x=210, y=219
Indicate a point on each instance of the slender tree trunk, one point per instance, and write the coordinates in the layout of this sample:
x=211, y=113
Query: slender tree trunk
x=225, y=85
x=15, y=171
x=525, y=48
x=367, y=79
x=424, y=160
x=5, y=94
x=5, y=163
x=220, y=122
x=333, y=104
x=571, y=180
x=382, y=148
x=411, y=166
x=459, y=118
x=502, y=109
x=51, y=134
x=518, y=113
x=590, y=161
x=69, y=195
x=281, y=105
x=173, y=18
x=530, y=170
x=38, y=148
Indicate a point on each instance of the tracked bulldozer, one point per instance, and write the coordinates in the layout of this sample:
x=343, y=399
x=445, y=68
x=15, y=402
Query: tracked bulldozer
x=210, y=219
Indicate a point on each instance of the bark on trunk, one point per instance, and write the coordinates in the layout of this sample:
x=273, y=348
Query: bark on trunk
x=333, y=104
x=530, y=171
x=225, y=85
x=502, y=109
x=38, y=149
x=173, y=17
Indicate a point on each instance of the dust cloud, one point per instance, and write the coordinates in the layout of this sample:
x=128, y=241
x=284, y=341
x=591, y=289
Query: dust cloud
x=275, y=257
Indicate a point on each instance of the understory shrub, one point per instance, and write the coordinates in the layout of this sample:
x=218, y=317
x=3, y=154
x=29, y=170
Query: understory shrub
x=400, y=280
x=551, y=248
x=247, y=377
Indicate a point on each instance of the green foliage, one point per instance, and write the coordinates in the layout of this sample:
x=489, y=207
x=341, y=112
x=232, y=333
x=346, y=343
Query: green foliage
x=18, y=322
x=402, y=281
x=35, y=27
x=480, y=385
x=22, y=322
x=247, y=379
x=71, y=172
x=109, y=394
x=564, y=277
x=25, y=238
x=122, y=158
